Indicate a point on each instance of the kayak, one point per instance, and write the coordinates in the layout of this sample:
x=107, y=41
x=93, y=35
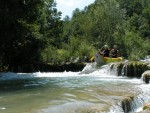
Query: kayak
x=99, y=59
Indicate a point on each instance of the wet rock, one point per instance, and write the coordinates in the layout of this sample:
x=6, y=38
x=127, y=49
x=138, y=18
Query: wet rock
x=146, y=106
x=119, y=69
x=146, y=76
x=130, y=69
x=127, y=103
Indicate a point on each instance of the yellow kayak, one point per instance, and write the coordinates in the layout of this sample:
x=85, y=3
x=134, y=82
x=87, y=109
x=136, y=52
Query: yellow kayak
x=99, y=59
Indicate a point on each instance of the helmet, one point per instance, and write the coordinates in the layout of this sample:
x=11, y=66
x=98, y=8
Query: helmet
x=105, y=46
x=115, y=46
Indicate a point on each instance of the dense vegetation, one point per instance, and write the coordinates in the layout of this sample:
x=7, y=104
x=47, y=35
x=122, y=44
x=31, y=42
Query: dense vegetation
x=32, y=31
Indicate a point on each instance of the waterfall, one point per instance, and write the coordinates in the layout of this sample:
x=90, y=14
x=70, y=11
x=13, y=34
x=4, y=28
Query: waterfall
x=124, y=70
x=117, y=69
x=141, y=99
x=134, y=70
x=132, y=104
x=129, y=69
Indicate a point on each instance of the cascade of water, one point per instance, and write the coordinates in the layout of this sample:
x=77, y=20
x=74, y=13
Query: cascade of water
x=142, y=98
x=89, y=68
x=113, y=69
x=134, y=105
x=124, y=70
x=116, y=108
x=94, y=69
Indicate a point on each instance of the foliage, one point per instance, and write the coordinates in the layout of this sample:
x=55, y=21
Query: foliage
x=32, y=30
x=121, y=22
x=135, y=45
x=79, y=48
x=96, y=23
x=27, y=27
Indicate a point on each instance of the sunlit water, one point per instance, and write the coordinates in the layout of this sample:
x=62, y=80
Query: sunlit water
x=93, y=90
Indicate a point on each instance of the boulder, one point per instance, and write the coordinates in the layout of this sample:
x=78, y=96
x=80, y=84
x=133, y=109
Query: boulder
x=146, y=76
x=127, y=103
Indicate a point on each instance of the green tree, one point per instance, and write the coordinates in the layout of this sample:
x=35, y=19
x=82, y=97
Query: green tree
x=112, y=22
x=26, y=29
x=96, y=23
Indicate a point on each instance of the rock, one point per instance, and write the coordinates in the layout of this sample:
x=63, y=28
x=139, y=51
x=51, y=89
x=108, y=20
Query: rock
x=130, y=69
x=146, y=106
x=146, y=76
x=127, y=103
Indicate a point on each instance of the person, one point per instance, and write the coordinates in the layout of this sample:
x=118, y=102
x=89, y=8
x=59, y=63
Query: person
x=114, y=52
x=105, y=51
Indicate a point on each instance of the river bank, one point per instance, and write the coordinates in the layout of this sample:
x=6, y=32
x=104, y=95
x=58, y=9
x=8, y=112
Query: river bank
x=45, y=67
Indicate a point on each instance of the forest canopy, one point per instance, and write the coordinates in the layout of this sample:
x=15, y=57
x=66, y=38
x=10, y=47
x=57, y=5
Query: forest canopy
x=32, y=30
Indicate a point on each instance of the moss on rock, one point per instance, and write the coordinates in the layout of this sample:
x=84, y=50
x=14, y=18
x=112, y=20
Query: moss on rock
x=127, y=103
x=147, y=106
x=146, y=76
x=131, y=69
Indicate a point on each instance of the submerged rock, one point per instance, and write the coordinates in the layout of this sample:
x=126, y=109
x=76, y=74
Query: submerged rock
x=147, y=106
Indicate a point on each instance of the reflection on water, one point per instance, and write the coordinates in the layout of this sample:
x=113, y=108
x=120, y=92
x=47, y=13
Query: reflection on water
x=66, y=92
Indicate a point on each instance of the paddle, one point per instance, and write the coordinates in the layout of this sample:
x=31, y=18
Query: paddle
x=92, y=58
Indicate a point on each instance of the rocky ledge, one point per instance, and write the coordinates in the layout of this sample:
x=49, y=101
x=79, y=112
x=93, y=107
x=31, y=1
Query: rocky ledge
x=137, y=70
x=43, y=67
x=131, y=69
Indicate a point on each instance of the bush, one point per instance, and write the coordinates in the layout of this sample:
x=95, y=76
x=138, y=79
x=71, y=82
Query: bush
x=49, y=54
x=136, y=46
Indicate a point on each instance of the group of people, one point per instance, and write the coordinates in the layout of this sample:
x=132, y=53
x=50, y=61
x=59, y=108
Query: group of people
x=106, y=52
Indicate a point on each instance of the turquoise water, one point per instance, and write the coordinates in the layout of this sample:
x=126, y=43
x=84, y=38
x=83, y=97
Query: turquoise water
x=93, y=90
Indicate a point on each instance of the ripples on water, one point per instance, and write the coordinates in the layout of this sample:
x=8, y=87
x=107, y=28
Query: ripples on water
x=92, y=90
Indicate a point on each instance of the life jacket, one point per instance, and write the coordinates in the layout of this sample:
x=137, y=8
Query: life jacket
x=114, y=53
x=106, y=53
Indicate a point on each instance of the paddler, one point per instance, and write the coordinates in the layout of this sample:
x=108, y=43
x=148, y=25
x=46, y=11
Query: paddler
x=105, y=51
x=114, y=52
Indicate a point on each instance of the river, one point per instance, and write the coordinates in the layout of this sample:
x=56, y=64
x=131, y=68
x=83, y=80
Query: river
x=93, y=90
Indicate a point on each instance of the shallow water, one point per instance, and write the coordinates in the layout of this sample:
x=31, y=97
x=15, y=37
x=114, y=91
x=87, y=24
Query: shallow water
x=94, y=90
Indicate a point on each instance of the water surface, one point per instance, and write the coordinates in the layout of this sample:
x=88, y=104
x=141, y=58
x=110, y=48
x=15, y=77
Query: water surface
x=91, y=91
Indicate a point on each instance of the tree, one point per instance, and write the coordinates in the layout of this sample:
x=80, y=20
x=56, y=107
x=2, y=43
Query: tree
x=96, y=23
x=26, y=29
x=112, y=22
